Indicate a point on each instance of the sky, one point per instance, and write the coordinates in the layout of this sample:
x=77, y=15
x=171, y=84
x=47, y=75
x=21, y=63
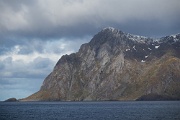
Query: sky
x=34, y=34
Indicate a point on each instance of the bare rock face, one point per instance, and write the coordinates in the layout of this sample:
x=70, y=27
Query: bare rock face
x=115, y=66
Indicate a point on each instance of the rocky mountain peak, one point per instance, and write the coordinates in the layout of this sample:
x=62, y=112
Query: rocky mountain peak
x=108, y=34
x=112, y=30
x=171, y=38
x=116, y=66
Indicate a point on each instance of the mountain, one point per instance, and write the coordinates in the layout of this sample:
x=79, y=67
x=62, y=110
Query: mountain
x=116, y=66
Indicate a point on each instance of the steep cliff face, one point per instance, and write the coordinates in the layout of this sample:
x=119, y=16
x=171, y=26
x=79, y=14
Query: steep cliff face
x=115, y=66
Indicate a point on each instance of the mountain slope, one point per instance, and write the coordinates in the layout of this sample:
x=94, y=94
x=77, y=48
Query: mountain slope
x=115, y=66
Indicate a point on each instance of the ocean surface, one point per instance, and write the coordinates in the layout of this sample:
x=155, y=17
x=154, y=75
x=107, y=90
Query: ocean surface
x=131, y=110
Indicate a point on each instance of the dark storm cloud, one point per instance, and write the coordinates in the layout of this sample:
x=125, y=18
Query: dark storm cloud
x=150, y=28
x=62, y=18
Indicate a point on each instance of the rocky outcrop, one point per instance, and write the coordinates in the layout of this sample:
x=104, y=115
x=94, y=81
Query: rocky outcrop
x=11, y=100
x=115, y=66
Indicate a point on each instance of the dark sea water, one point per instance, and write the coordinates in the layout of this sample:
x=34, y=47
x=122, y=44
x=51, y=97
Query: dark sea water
x=136, y=110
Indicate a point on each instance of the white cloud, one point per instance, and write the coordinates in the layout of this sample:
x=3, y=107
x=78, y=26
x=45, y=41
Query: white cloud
x=43, y=57
x=52, y=49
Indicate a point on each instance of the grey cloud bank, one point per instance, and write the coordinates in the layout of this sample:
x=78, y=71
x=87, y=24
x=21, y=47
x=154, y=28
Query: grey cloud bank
x=34, y=34
x=62, y=18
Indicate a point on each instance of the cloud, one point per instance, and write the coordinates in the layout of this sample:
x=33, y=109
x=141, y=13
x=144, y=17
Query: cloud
x=57, y=18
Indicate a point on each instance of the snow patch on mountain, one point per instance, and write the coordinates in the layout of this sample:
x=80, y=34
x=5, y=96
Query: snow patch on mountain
x=128, y=49
x=137, y=38
x=157, y=46
x=134, y=47
x=149, y=48
x=143, y=61
x=146, y=56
